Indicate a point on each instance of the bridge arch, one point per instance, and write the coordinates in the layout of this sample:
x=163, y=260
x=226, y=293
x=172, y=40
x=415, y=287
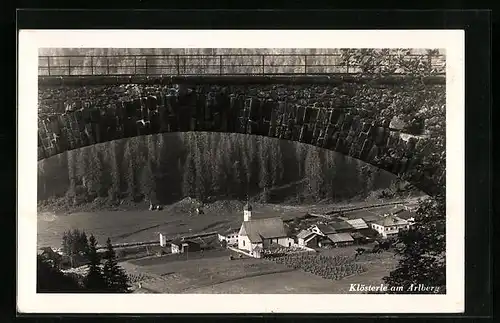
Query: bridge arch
x=190, y=105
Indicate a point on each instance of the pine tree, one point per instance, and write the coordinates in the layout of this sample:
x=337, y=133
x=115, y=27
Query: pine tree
x=71, y=192
x=129, y=167
x=115, y=277
x=94, y=281
x=265, y=173
x=199, y=168
x=147, y=181
x=276, y=165
x=188, y=181
x=330, y=173
x=84, y=244
x=314, y=173
x=50, y=279
x=114, y=189
x=65, y=243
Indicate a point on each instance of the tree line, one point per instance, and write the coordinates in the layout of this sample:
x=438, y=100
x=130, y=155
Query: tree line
x=167, y=167
x=104, y=275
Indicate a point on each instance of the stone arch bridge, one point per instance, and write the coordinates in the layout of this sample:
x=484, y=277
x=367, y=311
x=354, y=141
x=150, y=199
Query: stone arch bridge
x=179, y=105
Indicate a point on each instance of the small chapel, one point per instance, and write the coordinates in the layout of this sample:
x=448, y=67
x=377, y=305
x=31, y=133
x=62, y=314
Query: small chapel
x=258, y=234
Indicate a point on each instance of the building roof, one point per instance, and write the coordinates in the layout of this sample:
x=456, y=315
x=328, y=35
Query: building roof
x=304, y=234
x=367, y=216
x=229, y=231
x=340, y=237
x=326, y=229
x=391, y=220
x=405, y=215
x=358, y=223
x=341, y=225
x=357, y=235
x=266, y=228
x=180, y=241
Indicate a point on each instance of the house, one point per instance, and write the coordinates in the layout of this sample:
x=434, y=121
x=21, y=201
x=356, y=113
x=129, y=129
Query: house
x=261, y=232
x=321, y=229
x=341, y=239
x=307, y=238
x=182, y=246
x=341, y=226
x=50, y=255
x=358, y=224
x=230, y=236
x=406, y=215
x=390, y=226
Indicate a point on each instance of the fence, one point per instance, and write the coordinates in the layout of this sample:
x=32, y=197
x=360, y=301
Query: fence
x=227, y=64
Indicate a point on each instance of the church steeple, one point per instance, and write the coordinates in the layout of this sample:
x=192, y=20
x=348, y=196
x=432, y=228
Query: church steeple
x=247, y=211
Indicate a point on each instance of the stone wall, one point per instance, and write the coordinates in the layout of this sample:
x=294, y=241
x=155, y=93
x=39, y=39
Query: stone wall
x=330, y=117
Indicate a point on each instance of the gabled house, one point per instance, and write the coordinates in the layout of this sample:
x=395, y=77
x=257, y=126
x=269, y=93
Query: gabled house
x=230, y=236
x=307, y=238
x=341, y=239
x=406, y=215
x=390, y=226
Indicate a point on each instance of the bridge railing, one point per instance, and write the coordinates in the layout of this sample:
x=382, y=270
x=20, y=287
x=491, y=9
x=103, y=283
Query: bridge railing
x=226, y=64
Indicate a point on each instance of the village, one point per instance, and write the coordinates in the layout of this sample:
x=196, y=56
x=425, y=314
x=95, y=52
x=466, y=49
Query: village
x=322, y=251
x=265, y=236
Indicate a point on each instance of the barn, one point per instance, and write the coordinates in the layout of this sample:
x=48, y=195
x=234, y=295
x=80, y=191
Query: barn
x=307, y=238
x=341, y=239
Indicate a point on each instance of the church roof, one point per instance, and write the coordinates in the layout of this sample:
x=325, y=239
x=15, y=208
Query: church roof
x=259, y=229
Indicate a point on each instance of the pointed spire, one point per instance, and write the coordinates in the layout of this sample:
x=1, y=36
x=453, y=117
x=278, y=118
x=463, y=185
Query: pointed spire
x=247, y=206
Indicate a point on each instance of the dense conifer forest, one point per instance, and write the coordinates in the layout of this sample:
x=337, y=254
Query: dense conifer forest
x=165, y=168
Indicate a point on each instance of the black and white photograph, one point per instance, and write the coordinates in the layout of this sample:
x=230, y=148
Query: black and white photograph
x=259, y=170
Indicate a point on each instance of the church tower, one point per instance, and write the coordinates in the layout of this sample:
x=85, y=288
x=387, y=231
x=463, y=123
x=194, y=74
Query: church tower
x=247, y=212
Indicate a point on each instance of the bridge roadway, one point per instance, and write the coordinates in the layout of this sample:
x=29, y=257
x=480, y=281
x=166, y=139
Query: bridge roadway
x=179, y=104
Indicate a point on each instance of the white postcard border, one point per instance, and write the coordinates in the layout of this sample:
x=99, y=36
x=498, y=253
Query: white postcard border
x=28, y=301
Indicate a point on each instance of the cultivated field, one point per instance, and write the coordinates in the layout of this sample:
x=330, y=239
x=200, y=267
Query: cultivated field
x=214, y=272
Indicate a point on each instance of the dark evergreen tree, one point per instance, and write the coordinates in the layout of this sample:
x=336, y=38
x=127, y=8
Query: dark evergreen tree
x=188, y=182
x=115, y=173
x=94, y=281
x=423, y=251
x=265, y=173
x=50, y=279
x=115, y=277
x=200, y=174
x=147, y=181
x=314, y=173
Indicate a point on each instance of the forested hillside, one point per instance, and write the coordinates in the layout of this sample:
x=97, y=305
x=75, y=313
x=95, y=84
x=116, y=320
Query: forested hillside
x=168, y=167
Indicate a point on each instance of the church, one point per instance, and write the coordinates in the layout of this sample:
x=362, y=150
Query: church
x=256, y=235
